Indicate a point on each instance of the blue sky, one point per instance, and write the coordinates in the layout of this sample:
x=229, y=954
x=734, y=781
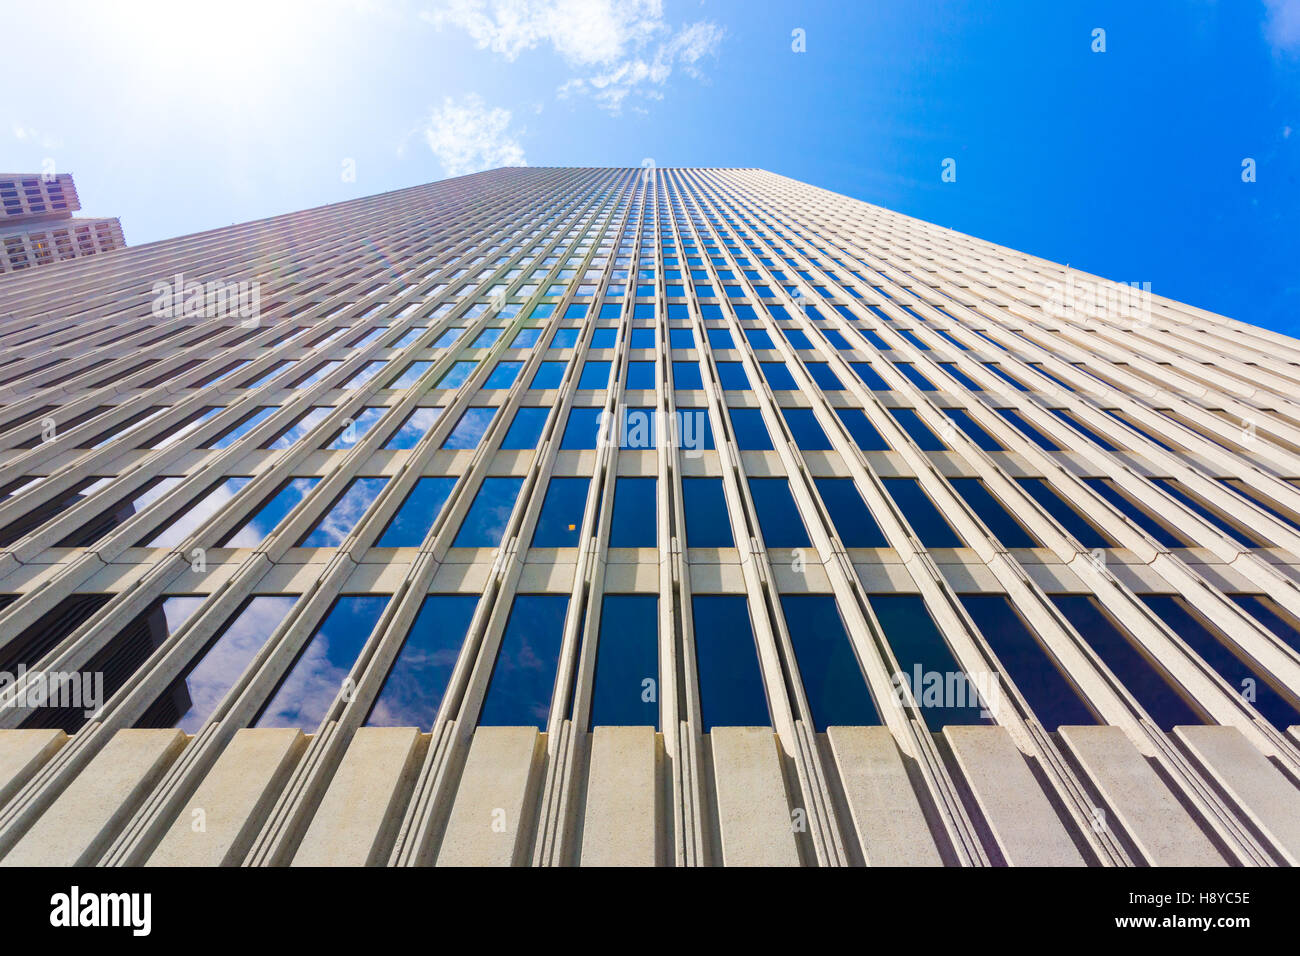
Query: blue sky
x=179, y=117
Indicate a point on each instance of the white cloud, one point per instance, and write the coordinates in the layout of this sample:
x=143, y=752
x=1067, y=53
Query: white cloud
x=1282, y=26
x=623, y=47
x=467, y=136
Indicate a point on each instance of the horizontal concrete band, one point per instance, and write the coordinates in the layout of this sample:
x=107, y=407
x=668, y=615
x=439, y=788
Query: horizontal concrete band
x=491, y=802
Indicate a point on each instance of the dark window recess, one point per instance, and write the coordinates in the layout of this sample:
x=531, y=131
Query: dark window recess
x=633, y=524
x=98, y=527
x=1213, y=517
x=1065, y=516
x=708, y=524
x=778, y=515
x=921, y=514
x=731, y=683
x=44, y=635
x=944, y=692
x=1137, y=515
x=63, y=427
x=747, y=425
x=40, y=514
x=1028, y=430
x=1254, y=687
x=25, y=417
x=120, y=427
x=626, y=687
x=559, y=525
x=807, y=431
x=1140, y=675
x=849, y=514
x=993, y=513
x=832, y=680
x=982, y=439
x=1257, y=499
x=1054, y=699
x=864, y=433
x=1264, y=610
x=523, y=676
x=1083, y=429
x=917, y=430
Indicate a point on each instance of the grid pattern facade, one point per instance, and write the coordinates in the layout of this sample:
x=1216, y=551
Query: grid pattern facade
x=37, y=226
x=630, y=515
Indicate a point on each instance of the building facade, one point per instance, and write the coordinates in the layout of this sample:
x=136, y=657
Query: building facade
x=557, y=516
x=37, y=226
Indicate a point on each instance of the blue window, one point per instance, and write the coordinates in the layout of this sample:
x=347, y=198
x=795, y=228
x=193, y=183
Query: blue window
x=997, y=370
x=849, y=513
x=305, y=423
x=417, y=513
x=412, y=372
x=254, y=530
x=485, y=522
x=354, y=429
x=687, y=375
x=805, y=428
x=642, y=339
x=344, y=514
x=1138, y=516
x=526, y=338
x=836, y=340
x=364, y=374
x=961, y=377
x=1213, y=517
x=523, y=676
x=184, y=523
x=912, y=337
x=469, y=430
x=486, y=339
x=870, y=377
x=415, y=427
x=1153, y=689
x=1065, y=516
x=826, y=379
x=1082, y=429
x=416, y=682
x=832, y=680
x=876, y=340
x=982, y=439
x=576, y=310
x=751, y=433
x=705, y=509
x=926, y=521
x=640, y=374
x=448, y=338
x=726, y=661
x=694, y=433
x=548, y=375
x=634, y=522
x=994, y=515
x=564, y=338
x=317, y=374
x=637, y=428
x=759, y=339
x=681, y=338
x=316, y=678
x=560, y=523
x=244, y=426
x=504, y=375
x=409, y=337
x=916, y=378
x=778, y=376
x=1030, y=432
x=778, y=516
x=1264, y=610
x=192, y=698
x=454, y=377
x=526, y=430
x=583, y=428
x=594, y=375
x=1051, y=695
x=720, y=339
x=938, y=684
x=604, y=338
x=864, y=433
x=625, y=692
x=796, y=339
x=1214, y=650
x=731, y=375
x=917, y=430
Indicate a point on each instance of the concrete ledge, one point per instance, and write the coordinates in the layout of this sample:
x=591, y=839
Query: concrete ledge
x=358, y=817
x=220, y=821
x=1268, y=798
x=22, y=753
x=491, y=819
x=620, y=819
x=78, y=827
x=753, y=805
x=1020, y=818
x=887, y=815
x=1150, y=814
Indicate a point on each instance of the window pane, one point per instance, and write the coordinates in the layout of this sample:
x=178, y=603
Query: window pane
x=548, y=375
x=778, y=376
x=917, y=430
x=504, y=375
x=415, y=427
x=305, y=695
x=344, y=515
x=705, y=506
x=626, y=688
x=183, y=524
x=1065, y=516
x=256, y=529
x=751, y=434
x=560, y=523
x=417, y=513
x=731, y=375
x=637, y=428
x=921, y=514
x=523, y=677
x=245, y=425
x=301, y=427
x=594, y=375
x=826, y=379
x=731, y=684
x=469, y=430
x=356, y=429
x=419, y=676
x=849, y=513
x=454, y=378
x=778, y=517
x=633, y=524
x=687, y=375
x=995, y=516
x=526, y=430
x=864, y=433
x=832, y=680
x=583, y=428
x=694, y=432
x=486, y=520
x=961, y=418
x=805, y=428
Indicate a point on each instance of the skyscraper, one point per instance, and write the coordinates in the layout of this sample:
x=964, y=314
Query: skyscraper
x=630, y=516
x=37, y=226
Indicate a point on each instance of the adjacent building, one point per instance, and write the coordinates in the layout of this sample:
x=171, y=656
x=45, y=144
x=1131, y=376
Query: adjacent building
x=37, y=226
x=558, y=516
